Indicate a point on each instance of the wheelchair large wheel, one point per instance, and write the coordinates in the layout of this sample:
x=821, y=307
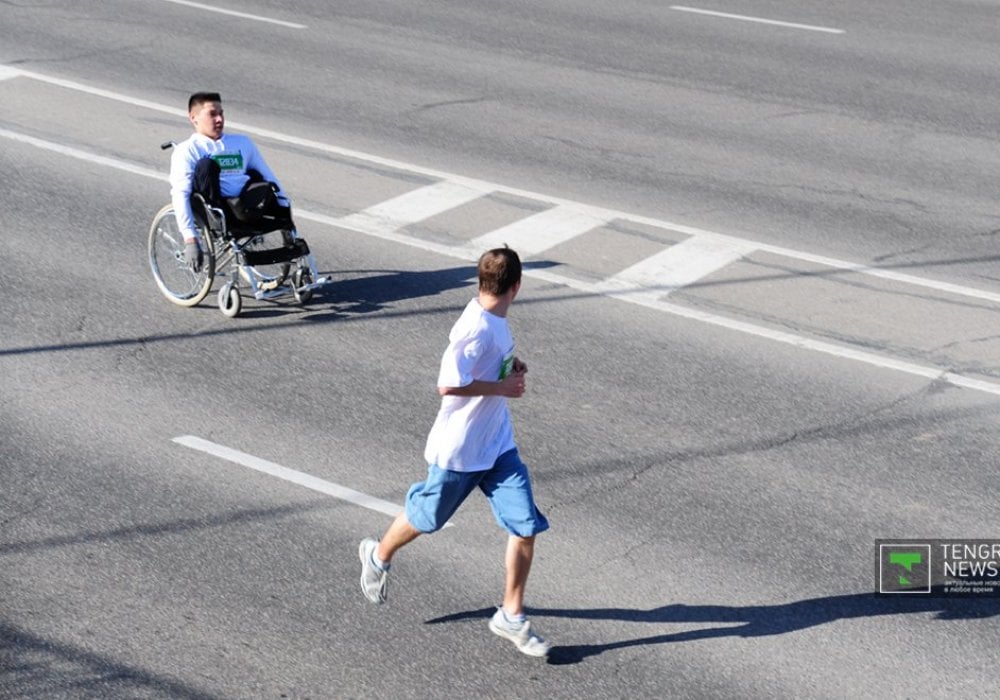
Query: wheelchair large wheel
x=175, y=279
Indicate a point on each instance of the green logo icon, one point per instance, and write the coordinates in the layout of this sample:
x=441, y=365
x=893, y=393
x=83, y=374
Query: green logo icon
x=904, y=567
x=905, y=560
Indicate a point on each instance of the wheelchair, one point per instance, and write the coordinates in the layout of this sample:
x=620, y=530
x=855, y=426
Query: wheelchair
x=266, y=259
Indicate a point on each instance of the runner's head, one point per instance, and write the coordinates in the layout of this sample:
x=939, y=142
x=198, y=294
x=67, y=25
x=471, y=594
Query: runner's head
x=499, y=271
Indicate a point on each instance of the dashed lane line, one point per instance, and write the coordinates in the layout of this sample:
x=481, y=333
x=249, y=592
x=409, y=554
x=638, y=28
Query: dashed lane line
x=264, y=466
x=241, y=15
x=758, y=20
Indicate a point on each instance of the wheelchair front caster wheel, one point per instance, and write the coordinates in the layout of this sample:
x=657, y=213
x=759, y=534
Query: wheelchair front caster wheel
x=302, y=277
x=230, y=302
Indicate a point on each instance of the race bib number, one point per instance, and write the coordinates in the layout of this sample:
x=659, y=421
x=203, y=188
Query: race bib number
x=229, y=161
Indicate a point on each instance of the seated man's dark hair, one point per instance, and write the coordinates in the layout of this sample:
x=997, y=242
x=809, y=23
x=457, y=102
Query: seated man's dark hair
x=200, y=98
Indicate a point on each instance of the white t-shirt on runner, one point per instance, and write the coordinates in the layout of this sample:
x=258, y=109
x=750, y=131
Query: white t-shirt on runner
x=470, y=432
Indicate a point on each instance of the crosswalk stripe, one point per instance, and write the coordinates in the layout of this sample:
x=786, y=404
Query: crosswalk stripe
x=411, y=207
x=539, y=232
x=679, y=265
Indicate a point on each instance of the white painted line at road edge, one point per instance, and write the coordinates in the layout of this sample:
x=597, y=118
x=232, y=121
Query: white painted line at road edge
x=8, y=73
x=621, y=291
x=639, y=297
x=759, y=20
x=296, y=477
x=242, y=15
x=84, y=155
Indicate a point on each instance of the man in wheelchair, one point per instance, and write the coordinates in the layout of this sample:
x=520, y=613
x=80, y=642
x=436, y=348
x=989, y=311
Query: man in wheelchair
x=225, y=171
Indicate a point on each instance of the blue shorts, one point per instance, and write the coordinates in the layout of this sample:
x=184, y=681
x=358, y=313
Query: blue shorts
x=430, y=503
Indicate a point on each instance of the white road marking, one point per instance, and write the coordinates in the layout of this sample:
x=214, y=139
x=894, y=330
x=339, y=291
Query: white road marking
x=597, y=215
x=635, y=296
x=242, y=15
x=936, y=285
x=679, y=265
x=597, y=212
x=538, y=232
x=411, y=207
x=296, y=477
x=760, y=20
x=7, y=73
x=83, y=155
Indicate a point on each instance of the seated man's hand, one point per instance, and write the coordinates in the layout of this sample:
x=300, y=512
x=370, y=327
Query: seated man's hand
x=192, y=255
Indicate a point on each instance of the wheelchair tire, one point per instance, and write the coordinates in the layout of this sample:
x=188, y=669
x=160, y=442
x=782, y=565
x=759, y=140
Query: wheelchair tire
x=175, y=279
x=230, y=301
x=302, y=277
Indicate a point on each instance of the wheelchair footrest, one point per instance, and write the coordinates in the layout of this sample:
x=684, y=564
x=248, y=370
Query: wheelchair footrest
x=272, y=256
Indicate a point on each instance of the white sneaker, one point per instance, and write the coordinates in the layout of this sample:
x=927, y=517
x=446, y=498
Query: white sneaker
x=524, y=638
x=372, y=577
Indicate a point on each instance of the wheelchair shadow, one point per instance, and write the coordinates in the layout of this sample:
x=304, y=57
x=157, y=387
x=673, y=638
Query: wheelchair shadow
x=369, y=291
x=359, y=292
x=364, y=292
x=748, y=621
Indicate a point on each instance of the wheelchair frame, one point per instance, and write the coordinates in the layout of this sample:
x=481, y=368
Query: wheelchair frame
x=237, y=254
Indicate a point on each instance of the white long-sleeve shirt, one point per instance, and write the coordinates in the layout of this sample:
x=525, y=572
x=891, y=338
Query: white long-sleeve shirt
x=235, y=154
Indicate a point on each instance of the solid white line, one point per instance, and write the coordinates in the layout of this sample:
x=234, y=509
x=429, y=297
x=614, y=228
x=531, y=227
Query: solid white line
x=83, y=155
x=7, y=73
x=634, y=296
x=296, y=477
x=759, y=20
x=680, y=265
x=538, y=232
x=936, y=285
x=841, y=351
x=411, y=207
x=242, y=15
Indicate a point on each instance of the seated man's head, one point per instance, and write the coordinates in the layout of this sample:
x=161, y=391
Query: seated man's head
x=205, y=113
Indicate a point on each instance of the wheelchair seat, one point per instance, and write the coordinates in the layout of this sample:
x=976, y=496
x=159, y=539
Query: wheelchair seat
x=231, y=226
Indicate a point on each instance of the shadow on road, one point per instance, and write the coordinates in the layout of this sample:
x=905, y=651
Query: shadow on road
x=751, y=620
x=343, y=301
x=36, y=667
x=373, y=290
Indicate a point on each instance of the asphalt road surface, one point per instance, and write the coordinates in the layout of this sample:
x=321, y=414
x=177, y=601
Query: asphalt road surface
x=759, y=314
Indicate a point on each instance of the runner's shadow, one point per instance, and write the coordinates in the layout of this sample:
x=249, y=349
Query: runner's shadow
x=749, y=621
